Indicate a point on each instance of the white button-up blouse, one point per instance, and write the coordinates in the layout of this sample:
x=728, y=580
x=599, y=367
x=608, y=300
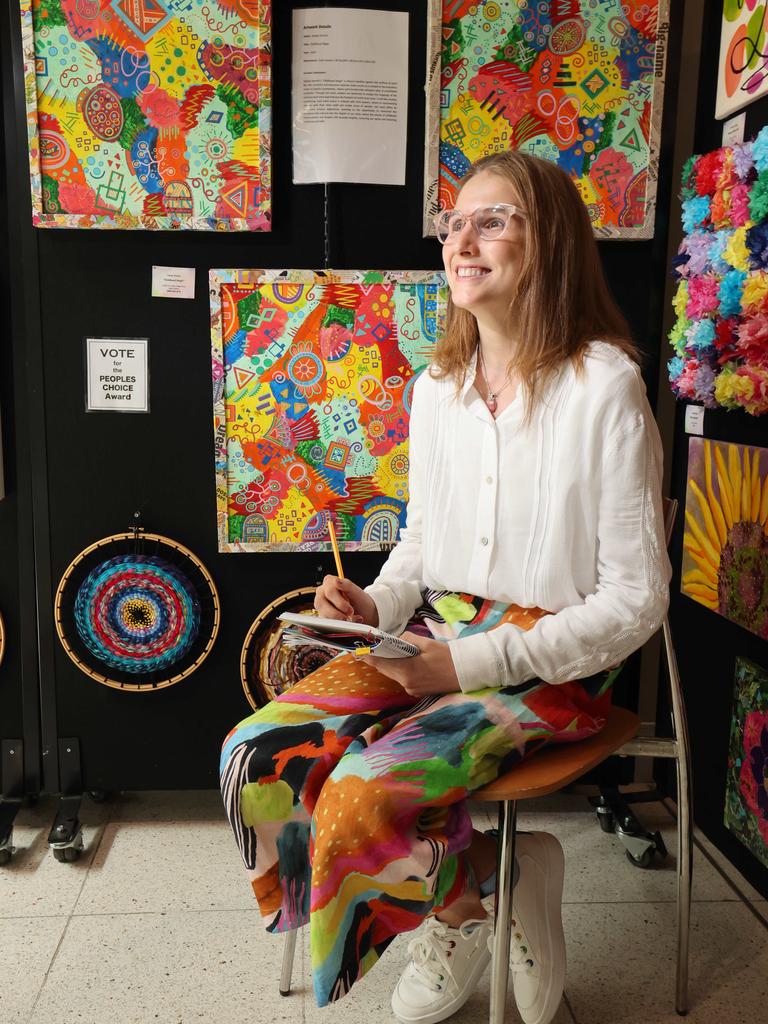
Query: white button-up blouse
x=564, y=514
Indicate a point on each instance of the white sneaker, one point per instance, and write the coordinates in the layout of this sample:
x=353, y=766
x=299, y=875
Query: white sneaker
x=447, y=963
x=538, y=944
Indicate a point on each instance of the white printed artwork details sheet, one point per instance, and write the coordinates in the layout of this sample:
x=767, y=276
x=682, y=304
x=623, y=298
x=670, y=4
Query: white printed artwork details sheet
x=350, y=95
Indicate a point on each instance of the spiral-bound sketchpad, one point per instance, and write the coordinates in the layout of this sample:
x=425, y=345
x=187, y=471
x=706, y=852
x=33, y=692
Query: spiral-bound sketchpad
x=141, y=618
x=138, y=613
x=267, y=667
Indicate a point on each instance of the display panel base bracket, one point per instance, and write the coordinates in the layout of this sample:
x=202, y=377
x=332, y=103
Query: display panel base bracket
x=66, y=835
x=12, y=794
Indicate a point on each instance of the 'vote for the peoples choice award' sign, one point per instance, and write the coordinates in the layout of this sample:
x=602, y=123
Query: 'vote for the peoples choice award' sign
x=117, y=374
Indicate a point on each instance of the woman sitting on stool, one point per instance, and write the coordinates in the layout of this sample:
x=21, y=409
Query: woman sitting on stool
x=534, y=552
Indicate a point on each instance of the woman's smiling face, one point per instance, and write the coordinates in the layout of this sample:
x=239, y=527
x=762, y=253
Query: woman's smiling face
x=483, y=274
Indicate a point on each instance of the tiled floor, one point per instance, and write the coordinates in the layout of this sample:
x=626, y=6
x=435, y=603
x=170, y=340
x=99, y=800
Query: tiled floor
x=155, y=924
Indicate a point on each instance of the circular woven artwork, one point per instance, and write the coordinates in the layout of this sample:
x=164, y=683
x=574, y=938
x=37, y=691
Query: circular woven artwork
x=137, y=612
x=267, y=667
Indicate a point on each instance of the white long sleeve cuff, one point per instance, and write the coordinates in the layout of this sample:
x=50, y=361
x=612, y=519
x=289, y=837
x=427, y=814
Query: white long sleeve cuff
x=478, y=661
x=395, y=607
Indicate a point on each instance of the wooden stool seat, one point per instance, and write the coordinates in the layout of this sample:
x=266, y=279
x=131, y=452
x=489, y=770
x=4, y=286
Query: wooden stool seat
x=554, y=767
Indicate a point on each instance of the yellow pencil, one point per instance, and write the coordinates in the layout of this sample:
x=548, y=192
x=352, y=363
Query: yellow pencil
x=335, y=546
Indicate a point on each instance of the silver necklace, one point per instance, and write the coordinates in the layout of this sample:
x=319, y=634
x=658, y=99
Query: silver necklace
x=490, y=401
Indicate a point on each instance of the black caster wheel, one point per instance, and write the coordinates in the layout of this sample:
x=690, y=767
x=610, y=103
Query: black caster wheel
x=99, y=796
x=606, y=821
x=5, y=856
x=661, y=848
x=67, y=855
x=645, y=860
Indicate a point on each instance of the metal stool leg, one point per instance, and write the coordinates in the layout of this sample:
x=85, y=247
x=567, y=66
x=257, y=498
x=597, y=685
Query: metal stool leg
x=289, y=950
x=684, y=863
x=503, y=921
x=684, y=848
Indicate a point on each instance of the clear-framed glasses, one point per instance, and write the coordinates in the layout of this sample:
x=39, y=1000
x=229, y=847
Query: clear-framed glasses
x=489, y=222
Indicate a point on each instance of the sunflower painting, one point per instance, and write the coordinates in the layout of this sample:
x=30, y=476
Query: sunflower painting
x=725, y=559
x=746, y=794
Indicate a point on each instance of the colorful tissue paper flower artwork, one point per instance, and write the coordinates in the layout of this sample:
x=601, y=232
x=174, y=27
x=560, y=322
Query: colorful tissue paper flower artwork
x=742, y=72
x=746, y=791
x=579, y=82
x=151, y=114
x=313, y=374
x=725, y=544
x=720, y=337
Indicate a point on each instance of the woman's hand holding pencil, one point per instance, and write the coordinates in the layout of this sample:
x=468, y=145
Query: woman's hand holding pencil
x=340, y=598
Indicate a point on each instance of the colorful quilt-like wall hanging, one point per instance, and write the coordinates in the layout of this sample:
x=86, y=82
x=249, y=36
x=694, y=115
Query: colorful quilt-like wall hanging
x=579, y=82
x=725, y=556
x=720, y=336
x=149, y=114
x=742, y=73
x=746, y=794
x=312, y=380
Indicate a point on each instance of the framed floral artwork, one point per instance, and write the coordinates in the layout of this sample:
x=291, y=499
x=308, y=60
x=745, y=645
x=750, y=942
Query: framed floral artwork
x=720, y=336
x=746, y=795
x=725, y=543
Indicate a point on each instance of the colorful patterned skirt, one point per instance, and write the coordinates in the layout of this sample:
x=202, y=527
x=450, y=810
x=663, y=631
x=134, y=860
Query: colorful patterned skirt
x=347, y=797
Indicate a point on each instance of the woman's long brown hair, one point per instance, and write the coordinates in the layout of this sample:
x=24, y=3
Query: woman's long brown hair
x=562, y=301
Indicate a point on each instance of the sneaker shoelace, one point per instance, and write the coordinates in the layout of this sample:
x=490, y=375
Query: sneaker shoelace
x=430, y=951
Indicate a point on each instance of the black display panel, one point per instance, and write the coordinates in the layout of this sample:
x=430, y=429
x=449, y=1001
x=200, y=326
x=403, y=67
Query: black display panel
x=707, y=644
x=103, y=467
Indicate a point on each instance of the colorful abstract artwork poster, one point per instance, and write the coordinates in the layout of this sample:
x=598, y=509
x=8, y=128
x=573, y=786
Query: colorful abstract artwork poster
x=725, y=544
x=746, y=793
x=742, y=72
x=152, y=114
x=313, y=374
x=579, y=82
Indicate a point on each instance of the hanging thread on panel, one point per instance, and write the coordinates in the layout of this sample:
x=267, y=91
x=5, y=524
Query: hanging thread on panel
x=326, y=223
x=327, y=229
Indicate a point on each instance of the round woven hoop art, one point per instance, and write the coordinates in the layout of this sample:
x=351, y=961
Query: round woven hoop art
x=267, y=667
x=137, y=614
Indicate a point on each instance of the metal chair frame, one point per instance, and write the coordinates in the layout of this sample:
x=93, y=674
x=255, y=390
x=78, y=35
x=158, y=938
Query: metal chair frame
x=678, y=749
